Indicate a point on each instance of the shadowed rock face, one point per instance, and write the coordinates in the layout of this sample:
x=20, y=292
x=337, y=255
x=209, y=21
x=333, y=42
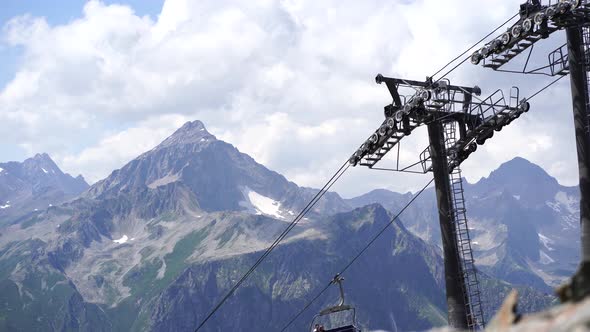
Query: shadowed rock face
x=34, y=184
x=295, y=272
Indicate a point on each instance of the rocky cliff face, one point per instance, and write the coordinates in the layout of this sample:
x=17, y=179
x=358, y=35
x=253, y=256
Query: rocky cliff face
x=410, y=293
x=33, y=184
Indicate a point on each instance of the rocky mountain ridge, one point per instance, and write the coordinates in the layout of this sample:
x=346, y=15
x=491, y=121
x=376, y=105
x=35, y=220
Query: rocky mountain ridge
x=36, y=183
x=155, y=244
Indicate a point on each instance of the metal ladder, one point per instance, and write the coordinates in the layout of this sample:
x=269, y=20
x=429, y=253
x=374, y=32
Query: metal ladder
x=471, y=291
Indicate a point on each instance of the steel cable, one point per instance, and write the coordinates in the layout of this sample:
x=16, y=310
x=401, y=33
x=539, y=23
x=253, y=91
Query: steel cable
x=362, y=251
x=295, y=221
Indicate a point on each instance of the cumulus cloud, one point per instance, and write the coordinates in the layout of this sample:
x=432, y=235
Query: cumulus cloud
x=290, y=82
x=115, y=149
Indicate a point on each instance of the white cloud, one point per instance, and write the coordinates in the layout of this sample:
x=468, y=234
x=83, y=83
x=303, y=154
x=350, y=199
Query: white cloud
x=290, y=82
x=114, y=150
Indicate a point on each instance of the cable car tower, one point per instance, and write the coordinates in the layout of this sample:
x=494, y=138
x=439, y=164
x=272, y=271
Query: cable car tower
x=457, y=122
x=537, y=22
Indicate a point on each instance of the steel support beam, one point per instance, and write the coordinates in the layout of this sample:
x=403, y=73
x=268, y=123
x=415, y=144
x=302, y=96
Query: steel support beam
x=579, y=286
x=579, y=86
x=454, y=280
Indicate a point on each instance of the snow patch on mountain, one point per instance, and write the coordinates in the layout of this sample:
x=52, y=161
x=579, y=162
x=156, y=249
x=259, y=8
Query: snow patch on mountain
x=1, y=169
x=161, y=270
x=264, y=205
x=6, y=206
x=570, y=222
x=260, y=204
x=517, y=197
x=569, y=202
x=545, y=259
x=564, y=203
x=554, y=206
x=546, y=242
x=122, y=240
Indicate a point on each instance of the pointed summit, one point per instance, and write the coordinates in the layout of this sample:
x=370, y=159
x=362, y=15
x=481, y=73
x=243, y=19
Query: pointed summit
x=522, y=178
x=41, y=163
x=190, y=133
x=520, y=170
x=34, y=184
x=192, y=125
x=211, y=172
x=38, y=160
x=42, y=157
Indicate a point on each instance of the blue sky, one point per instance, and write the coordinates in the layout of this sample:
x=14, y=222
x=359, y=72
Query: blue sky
x=63, y=11
x=95, y=84
x=56, y=13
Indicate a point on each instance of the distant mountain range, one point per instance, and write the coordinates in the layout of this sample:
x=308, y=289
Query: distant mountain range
x=524, y=224
x=34, y=184
x=157, y=243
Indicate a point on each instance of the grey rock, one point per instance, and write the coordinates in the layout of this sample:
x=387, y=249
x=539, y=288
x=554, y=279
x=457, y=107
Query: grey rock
x=34, y=184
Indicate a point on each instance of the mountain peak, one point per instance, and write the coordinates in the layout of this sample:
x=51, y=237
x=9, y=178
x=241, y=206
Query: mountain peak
x=192, y=126
x=520, y=169
x=190, y=133
x=520, y=177
x=42, y=162
x=43, y=159
x=42, y=156
x=35, y=183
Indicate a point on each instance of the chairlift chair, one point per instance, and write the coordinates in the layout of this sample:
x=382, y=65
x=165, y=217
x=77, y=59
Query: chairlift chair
x=350, y=326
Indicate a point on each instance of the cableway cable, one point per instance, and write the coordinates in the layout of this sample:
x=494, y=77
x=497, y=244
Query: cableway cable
x=323, y=290
x=326, y=187
x=470, y=48
x=276, y=242
x=362, y=251
x=545, y=87
x=428, y=184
